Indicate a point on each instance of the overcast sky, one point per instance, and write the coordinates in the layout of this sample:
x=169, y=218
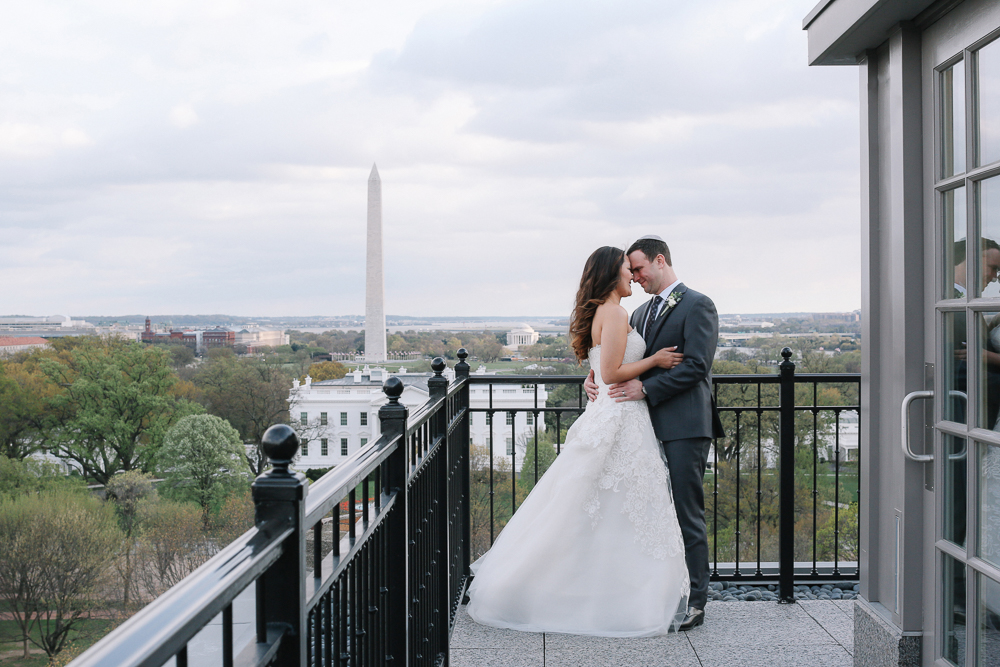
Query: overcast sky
x=212, y=157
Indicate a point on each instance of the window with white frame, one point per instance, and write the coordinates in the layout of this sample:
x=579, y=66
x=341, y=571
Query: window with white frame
x=364, y=419
x=343, y=446
x=343, y=419
x=304, y=418
x=322, y=418
x=324, y=450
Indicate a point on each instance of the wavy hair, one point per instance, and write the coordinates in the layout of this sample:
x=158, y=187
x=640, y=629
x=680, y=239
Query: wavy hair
x=600, y=276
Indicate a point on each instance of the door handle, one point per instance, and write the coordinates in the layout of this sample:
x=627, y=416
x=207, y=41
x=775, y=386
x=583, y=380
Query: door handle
x=905, y=414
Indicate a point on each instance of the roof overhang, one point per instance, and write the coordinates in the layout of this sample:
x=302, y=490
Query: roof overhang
x=841, y=30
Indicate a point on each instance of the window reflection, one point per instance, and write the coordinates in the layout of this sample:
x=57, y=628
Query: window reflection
x=956, y=456
x=989, y=622
x=955, y=367
x=989, y=370
x=953, y=617
x=953, y=120
x=988, y=207
x=989, y=503
x=954, y=229
x=988, y=109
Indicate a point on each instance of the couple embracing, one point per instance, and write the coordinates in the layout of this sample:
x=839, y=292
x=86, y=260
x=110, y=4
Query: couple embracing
x=612, y=540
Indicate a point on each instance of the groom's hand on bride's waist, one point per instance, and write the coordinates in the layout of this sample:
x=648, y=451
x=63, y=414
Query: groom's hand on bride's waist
x=590, y=387
x=630, y=390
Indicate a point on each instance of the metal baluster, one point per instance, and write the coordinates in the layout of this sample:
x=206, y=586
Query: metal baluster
x=513, y=461
x=760, y=495
x=227, y=635
x=715, y=498
x=739, y=446
x=815, y=489
x=836, y=493
x=786, y=533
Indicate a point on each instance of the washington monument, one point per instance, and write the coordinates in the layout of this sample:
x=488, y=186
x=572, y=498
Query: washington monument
x=374, y=284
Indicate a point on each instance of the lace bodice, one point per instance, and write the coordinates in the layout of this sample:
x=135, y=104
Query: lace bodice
x=635, y=348
x=632, y=461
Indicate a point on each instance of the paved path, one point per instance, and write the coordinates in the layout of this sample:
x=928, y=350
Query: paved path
x=735, y=634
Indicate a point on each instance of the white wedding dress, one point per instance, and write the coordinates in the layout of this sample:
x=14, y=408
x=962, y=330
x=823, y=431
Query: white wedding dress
x=595, y=548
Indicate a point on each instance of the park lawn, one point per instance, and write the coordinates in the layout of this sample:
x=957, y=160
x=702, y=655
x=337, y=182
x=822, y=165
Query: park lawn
x=90, y=630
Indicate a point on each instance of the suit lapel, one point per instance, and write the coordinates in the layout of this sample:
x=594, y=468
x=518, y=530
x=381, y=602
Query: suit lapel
x=662, y=317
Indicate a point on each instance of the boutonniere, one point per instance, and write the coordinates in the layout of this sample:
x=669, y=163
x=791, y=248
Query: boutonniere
x=674, y=298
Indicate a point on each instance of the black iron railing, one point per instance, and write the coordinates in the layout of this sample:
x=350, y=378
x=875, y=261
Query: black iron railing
x=369, y=564
x=775, y=489
x=365, y=567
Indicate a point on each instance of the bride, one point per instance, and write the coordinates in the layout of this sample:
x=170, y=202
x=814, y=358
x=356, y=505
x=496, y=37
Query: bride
x=595, y=548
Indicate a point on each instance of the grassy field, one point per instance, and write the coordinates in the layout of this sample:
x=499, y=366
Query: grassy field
x=10, y=641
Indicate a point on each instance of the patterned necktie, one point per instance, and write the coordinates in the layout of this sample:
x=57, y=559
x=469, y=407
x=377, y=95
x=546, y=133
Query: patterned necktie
x=654, y=308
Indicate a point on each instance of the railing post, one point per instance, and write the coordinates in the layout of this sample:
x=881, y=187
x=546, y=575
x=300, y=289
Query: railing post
x=786, y=467
x=279, y=501
x=462, y=375
x=437, y=389
x=392, y=416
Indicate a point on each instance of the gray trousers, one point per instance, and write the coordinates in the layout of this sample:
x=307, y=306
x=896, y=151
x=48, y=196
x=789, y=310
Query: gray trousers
x=686, y=461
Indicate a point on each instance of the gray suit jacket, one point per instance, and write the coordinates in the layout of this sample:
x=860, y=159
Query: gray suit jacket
x=681, y=404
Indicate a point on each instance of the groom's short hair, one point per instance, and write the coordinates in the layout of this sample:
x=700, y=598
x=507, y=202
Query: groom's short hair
x=651, y=248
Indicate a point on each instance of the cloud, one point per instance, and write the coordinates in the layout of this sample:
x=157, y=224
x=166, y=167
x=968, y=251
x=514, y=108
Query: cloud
x=183, y=116
x=207, y=157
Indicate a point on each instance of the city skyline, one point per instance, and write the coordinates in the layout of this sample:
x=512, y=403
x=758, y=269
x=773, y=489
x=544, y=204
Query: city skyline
x=213, y=158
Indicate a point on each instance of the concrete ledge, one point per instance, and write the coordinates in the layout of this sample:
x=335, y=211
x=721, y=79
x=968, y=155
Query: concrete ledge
x=878, y=643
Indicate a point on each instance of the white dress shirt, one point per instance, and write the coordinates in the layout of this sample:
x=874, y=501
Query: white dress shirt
x=663, y=296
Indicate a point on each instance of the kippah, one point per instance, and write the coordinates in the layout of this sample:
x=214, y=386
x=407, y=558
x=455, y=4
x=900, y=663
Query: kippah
x=652, y=237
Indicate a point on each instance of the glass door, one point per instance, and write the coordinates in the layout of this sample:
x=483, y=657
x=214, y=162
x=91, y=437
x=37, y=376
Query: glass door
x=967, y=317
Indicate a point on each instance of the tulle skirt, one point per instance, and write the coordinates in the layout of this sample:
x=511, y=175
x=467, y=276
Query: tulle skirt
x=595, y=548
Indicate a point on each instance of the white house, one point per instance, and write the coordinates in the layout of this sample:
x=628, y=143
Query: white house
x=336, y=417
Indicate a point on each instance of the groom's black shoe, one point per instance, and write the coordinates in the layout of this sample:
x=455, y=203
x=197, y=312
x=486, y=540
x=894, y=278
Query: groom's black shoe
x=694, y=618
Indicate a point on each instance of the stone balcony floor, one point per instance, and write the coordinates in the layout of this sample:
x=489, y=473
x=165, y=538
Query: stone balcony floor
x=735, y=634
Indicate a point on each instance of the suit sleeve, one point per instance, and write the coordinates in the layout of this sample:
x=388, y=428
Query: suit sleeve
x=701, y=335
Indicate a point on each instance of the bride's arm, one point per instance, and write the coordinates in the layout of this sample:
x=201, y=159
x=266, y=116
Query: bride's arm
x=611, y=322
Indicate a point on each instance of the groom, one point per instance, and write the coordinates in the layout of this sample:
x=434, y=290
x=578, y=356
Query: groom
x=680, y=399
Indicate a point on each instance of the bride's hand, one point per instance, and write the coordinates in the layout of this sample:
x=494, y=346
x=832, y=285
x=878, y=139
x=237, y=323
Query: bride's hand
x=667, y=358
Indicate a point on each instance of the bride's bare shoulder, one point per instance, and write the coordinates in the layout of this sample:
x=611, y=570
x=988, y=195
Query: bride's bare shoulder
x=612, y=312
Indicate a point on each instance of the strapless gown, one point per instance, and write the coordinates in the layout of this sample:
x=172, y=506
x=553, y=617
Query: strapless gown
x=595, y=548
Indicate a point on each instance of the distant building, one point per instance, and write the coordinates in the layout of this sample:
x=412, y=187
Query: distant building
x=255, y=338
x=10, y=345
x=50, y=323
x=200, y=341
x=337, y=417
x=523, y=335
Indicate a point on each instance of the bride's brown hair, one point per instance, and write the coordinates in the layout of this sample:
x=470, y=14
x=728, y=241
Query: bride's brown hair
x=600, y=276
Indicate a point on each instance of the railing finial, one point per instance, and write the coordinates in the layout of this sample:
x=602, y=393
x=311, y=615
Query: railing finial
x=438, y=366
x=393, y=388
x=786, y=354
x=280, y=443
x=462, y=368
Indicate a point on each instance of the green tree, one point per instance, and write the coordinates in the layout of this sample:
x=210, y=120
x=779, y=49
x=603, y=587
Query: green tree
x=546, y=455
x=57, y=549
x=126, y=492
x=326, y=370
x=31, y=476
x=180, y=355
x=24, y=410
x=172, y=544
x=116, y=408
x=251, y=394
x=203, y=461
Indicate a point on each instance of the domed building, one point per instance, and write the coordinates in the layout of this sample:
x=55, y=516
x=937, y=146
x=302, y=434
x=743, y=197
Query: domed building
x=522, y=335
